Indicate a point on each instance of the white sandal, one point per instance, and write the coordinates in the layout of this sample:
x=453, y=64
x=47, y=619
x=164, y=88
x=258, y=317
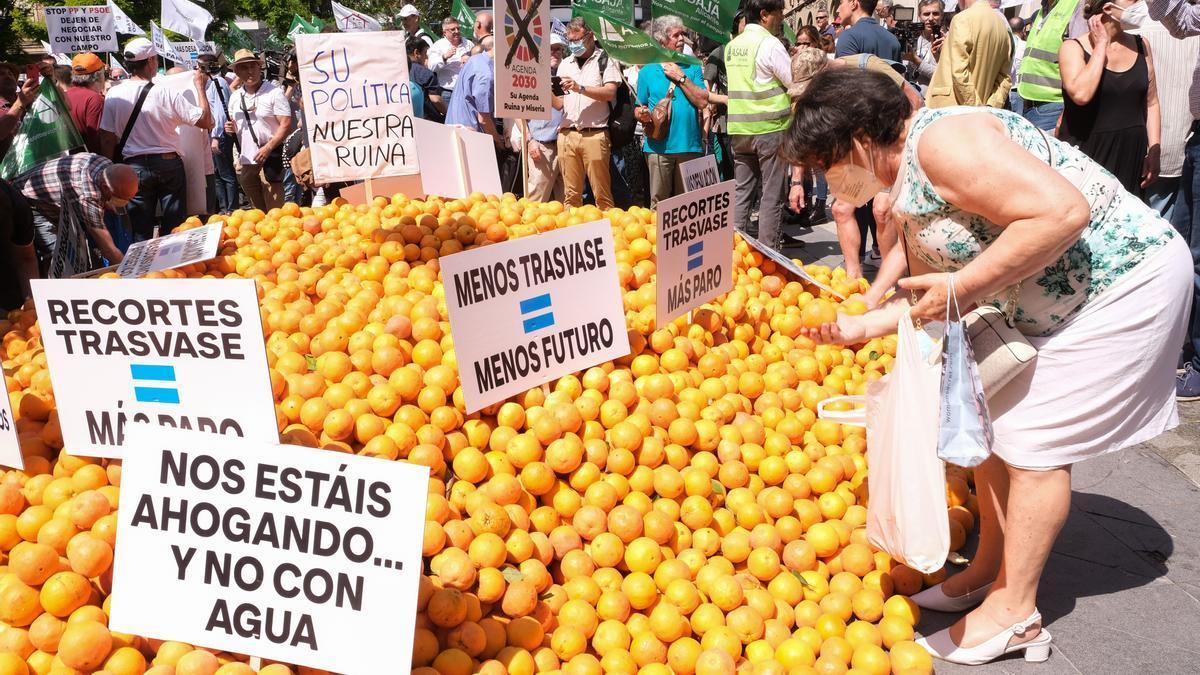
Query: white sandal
x=936, y=599
x=1036, y=650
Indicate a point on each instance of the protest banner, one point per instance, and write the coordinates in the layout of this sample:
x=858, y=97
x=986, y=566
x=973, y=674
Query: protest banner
x=627, y=44
x=185, y=18
x=700, y=172
x=170, y=251
x=121, y=20
x=459, y=9
x=618, y=10
x=695, y=249
x=358, y=107
x=81, y=29
x=167, y=49
x=711, y=18
x=351, y=21
x=286, y=552
x=787, y=264
x=184, y=353
x=456, y=161
x=46, y=131
x=10, y=443
x=523, y=59
x=532, y=309
x=301, y=26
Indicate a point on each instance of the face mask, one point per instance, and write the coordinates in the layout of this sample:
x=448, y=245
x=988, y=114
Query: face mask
x=576, y=47
x=1133, y=16
x=853, y=184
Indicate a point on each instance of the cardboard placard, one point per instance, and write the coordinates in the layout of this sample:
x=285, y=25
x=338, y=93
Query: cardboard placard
x=786, y=263
x=456, y=161
x=357, y=105
x=290, y=553
x=170, y=251
x=10, y=444
x=185, y=353
x=699, y=173
x=532, y=309
x=695, y=249
x=522, y=59
x=410, y=186
x=81, y=29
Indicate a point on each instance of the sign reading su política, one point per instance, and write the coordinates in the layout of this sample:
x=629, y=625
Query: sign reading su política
x=290, y=553
x=186, y=353
x=357, y=105
x=695, y=249
x=81, y=29
x=532, y=309
x=522, y=59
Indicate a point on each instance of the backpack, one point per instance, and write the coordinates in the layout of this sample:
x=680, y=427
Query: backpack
x=621, y=124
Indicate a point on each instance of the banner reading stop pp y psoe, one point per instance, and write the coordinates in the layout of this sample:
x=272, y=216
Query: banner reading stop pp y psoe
x=294, y=554
x=81, y=29
x=529, y=310
x=523, y=59
x=695, y=249
x=357, y=105
x=184, y=353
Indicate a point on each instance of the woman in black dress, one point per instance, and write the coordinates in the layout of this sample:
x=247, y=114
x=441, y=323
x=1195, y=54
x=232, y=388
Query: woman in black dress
x=1109, y=96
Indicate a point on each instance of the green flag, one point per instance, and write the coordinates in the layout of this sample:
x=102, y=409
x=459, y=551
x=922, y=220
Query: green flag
x=299, y=25
x=235, y=39
x=617, y=10
x=788, y=33
x=628, y=44
x=274, y=43
x=46, y=132
x=711, y=18
x=460, y=10
x=317, y=23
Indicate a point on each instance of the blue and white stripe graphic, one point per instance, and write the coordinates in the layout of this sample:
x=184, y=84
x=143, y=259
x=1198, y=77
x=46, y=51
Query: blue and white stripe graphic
x=149, y=373
x=695, y=255
x=532, y=321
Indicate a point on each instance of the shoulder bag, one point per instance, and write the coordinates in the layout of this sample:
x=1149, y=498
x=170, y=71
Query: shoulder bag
x=272, y=168
x=119, y=153
x=660, y=116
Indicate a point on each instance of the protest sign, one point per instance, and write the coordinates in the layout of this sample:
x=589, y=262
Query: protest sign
x=523, y=59
x=290, y=553
x=81, y=29
x=10, y=444
x=456, y=161
x=358, y=107
x=46, y=131
x=786, y=263
x=699, y=172
x=628, y=44
x=532, y=309
x=711, y=18
x=695, y=249
x=617, y=10
x=184, y=353
x=170, y=251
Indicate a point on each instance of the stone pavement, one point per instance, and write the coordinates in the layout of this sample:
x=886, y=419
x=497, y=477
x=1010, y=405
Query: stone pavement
x=1121, y=591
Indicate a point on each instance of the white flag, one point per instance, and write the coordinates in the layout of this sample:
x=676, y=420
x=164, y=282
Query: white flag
x=185, y=18
x=350, y=21
x=124, y=24
x=114, y=62
x=165, y=49
x=60, y=59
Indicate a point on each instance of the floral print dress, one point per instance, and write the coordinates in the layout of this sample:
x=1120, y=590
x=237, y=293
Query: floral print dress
x=1121, y=233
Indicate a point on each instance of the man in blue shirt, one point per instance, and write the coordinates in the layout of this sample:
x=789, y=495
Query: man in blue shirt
x=223, y=189
x=473, y=100
x=865, y=35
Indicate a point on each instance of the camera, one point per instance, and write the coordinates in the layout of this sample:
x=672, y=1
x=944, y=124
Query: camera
x=556, y=86
x=906, y=29
x=209, y=67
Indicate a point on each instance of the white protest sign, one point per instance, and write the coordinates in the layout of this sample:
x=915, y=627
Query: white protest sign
x=170, y=251
x=695, y=249
x=290, y=553
x=184, y=353
x=522, y=59
x=81, y=29
x=786, y=263
x=455, y=160
x=532, y=309
x=700, y=172
x=357, y=105
x=10, y=444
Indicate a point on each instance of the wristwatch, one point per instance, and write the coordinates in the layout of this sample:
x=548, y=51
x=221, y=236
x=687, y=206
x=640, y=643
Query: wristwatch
x=582, y=88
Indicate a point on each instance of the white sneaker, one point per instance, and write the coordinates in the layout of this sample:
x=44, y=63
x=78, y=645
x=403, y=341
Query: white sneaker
x=1036, y=650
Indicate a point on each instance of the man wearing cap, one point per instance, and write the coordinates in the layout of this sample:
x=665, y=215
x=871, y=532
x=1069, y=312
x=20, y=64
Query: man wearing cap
x=410, y=21
x=260, y=115
x=149, y=141
x=85, y=97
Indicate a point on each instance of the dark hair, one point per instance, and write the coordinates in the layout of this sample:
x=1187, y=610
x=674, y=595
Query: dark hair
x=63, y=74
x=839, y=105
x=738, y=18
x=755, y=8
x=1094, y=7
x=414, y=45
x=811, y=33
x=133, y=67
x=868, y=6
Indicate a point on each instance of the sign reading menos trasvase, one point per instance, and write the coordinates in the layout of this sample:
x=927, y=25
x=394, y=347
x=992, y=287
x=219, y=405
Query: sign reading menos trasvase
x=290, y=553
x=695, y=249
x=184, y=353
x=529, y=310
x=81, y=29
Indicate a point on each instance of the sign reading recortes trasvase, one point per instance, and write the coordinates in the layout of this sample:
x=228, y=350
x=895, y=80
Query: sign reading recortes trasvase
x=695, y=249
x=185, y=353
x=529, y=310
x=522, y=59
x=290, y=553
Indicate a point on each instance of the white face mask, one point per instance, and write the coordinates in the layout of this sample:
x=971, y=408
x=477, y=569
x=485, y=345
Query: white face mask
x=856, y=185
x=1133, y=16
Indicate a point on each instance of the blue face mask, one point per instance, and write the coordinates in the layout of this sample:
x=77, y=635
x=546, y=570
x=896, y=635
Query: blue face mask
x=576, y=47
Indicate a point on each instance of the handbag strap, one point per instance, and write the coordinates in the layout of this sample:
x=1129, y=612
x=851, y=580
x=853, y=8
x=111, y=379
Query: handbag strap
x=249, y=122
x=137, y=110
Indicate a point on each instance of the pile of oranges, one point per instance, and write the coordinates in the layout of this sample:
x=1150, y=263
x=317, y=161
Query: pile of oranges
x=679, y=510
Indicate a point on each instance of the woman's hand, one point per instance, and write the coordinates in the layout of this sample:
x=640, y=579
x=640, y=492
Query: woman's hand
x=1099, y=35
x=934, y=295
x=642, y=113
x=1150, y=166
x=848, y=330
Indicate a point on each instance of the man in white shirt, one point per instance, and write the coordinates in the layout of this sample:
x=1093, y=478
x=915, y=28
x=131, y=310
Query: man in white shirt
x=448, y=55
x=260, y=115
x=150, y=142
x=589, y=81
x=410, y=21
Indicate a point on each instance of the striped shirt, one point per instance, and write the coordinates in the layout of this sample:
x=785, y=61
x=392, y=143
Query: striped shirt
x=1182, y=19
x=1174, y=70
x=64, y=180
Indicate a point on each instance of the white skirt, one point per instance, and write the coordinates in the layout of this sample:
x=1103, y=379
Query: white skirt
x=1105, y=380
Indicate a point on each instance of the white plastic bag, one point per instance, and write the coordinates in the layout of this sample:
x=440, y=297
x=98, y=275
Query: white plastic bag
x=964, y=423
x=906, y=512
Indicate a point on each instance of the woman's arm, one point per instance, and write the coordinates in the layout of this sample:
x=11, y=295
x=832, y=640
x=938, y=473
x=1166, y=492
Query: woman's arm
x=1081, y=80
x=1153, y=123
